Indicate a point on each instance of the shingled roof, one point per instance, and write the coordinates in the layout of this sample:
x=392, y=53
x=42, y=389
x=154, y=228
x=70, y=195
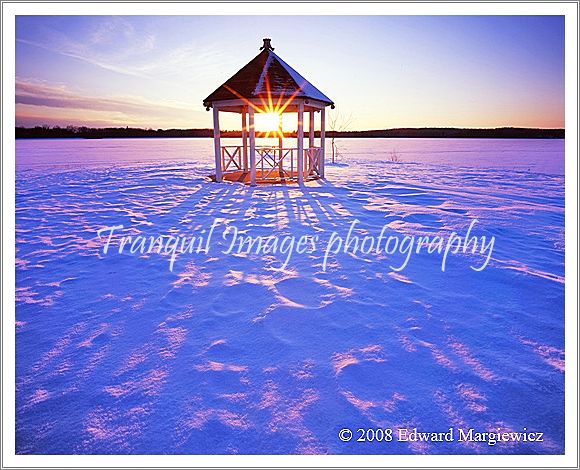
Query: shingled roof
x=266, y=74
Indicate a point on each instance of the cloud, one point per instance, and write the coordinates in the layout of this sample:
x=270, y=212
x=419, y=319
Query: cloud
x=110, y=43
x=69, y=52
x=121, y=109
x=59, y=96
x=115, y=44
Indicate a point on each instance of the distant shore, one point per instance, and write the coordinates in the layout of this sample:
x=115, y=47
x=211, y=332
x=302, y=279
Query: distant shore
x=72, y=132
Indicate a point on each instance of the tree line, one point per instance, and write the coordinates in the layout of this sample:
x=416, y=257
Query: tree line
x=56, y=132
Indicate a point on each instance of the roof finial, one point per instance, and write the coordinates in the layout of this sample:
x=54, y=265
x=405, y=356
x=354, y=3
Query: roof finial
x=267, y=46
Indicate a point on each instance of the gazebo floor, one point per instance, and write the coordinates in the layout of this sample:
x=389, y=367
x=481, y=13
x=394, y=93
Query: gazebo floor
x=286, y=177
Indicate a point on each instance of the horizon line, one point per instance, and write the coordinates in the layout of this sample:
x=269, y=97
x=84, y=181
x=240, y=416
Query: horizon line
x=74, y=126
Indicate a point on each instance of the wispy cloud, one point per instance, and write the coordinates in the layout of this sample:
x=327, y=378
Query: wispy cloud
x=114, y=44
x=111, y=43
x=165, y=78
x=125, y=109
x=84, y=57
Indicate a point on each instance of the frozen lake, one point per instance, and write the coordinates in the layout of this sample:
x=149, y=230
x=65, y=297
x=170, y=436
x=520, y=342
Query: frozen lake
x=543, y=156
x=234, y=353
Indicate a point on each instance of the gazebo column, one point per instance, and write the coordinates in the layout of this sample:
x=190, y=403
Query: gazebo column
x=280, y=143
x=310, y=137
x=252, y=146
x=216, y=144
x=311, y=129
x=322, y=141
x=300, y=146
x=244, y=140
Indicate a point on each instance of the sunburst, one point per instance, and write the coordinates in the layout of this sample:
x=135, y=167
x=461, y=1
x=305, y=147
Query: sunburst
x=270, y=110
x=268, y=122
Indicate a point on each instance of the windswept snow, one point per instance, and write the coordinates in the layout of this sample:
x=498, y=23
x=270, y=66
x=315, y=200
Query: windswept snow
x=231, y=354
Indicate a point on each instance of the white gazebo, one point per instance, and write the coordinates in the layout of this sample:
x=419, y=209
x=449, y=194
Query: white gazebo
x=267, y=84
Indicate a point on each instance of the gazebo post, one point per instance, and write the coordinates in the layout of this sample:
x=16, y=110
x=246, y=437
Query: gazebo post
x=300, y=146
x=310, y=137
x=252, y=147
x=244, y=140
x=280, y=143
x=311, y=129
x=216, y=144
x=322, y=141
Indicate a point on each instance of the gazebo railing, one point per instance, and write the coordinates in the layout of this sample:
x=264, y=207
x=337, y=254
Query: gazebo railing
x=312, y=158
x=273, y=162
x=270, y=159
x=232, y=158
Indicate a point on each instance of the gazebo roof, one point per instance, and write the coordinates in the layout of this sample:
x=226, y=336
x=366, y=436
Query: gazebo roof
x=267, y=77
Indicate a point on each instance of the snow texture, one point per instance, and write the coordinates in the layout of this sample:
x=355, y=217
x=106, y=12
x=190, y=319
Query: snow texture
x=228, y=354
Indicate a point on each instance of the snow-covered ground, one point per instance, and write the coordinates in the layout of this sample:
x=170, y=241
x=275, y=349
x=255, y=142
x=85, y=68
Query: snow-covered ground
x=229, y=353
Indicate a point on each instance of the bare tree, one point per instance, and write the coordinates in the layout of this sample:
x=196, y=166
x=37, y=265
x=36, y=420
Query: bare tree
x=337, y=122
x=394, y=156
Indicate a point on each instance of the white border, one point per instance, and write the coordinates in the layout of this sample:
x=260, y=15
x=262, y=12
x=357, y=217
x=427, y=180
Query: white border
x=8, y=218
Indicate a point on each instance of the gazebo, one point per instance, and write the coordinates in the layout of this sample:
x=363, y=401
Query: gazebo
x=267, y=84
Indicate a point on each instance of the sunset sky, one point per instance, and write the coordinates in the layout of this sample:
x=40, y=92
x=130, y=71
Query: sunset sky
x=387, y=71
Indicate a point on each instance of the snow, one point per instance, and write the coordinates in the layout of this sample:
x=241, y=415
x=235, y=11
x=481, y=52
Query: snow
x=230, y=354
x=260, y=85
x=307, y=89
